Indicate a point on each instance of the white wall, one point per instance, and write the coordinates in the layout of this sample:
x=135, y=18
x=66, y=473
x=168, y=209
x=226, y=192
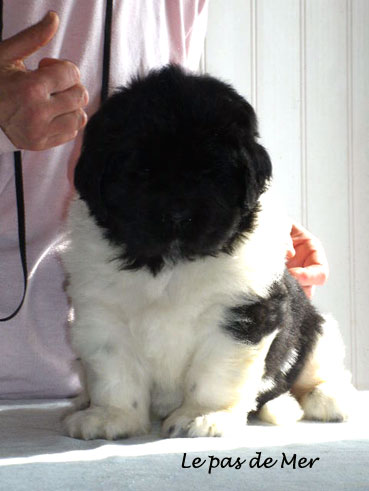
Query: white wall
x=304, y=65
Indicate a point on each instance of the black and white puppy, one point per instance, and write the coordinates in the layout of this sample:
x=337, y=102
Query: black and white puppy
x=176, y=263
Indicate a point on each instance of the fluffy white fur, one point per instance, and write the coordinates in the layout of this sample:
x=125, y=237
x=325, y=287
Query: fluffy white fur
x=324, y=387
x=156, y=343
x=281, y=410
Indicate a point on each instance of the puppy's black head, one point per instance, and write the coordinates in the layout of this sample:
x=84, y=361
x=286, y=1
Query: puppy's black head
x=171, y=169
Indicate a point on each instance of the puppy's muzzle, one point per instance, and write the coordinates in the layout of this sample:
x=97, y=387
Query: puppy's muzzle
x=177, y=220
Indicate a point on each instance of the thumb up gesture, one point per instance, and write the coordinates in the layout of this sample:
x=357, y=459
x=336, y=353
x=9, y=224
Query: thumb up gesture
x=42, y=108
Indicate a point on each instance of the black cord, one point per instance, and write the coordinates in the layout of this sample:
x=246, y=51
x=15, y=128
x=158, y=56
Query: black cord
x=1, y=20
x=106, y=55
x=18, y=157
x=20, y=209
x=21, y=229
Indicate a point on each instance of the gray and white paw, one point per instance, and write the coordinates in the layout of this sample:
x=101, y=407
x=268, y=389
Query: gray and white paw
x=109, y=423
x=182, y=423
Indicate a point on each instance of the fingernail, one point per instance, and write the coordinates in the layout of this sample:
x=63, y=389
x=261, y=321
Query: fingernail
x=49, y=17
x=78, y=73
x=84, y=118
x=85, y=98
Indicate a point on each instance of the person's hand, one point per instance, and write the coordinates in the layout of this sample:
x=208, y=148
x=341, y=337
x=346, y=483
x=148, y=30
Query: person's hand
x=42, y=108
x=306, y=259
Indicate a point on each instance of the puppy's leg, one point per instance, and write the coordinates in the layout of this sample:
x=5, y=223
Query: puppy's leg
x=323, y=388
x=221, y=388
x=82, y=401
x=117, y=384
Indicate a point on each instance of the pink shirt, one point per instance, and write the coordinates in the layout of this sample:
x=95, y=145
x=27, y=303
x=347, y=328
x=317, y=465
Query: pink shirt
x=35, y=358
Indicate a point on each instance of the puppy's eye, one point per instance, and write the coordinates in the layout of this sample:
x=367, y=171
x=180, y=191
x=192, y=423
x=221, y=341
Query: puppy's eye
x=145, y=172
x=208, y=173
x=140, y=174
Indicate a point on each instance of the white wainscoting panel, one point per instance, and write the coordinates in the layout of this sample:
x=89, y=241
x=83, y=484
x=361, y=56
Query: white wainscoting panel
x=229, y=43
x=359, y=169
x=327, y=170
x=304, y=65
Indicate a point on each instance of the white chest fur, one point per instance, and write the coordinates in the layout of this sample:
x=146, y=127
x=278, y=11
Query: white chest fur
x=159, y=323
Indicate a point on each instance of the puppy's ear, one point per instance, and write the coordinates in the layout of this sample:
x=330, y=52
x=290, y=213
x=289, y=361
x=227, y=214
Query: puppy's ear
x=88, y=177
x=263, y=167
x=258, y=173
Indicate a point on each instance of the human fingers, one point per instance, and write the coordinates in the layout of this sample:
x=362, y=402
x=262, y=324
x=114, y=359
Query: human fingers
x=308, y=248
x=57, y=140
x=69, y=100
x=309, y=291
x=300, y=234
x=56, y=75
x=28, y=41
x=60, y=139
x=309, y=242
x=28, y=106
x=34, y=120
x=310, y=275
x=68, y=123
x=63, y=129
x=47, y=61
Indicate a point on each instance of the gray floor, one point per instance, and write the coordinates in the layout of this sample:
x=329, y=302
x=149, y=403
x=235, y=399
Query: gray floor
x=35, y=455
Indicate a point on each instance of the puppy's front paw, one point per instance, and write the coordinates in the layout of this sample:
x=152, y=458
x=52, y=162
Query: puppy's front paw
x=109, y=423
x=184, y=423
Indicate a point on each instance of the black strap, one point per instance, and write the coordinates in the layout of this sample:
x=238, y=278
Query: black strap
x=18, y=157
x=1, y=20
x=106, y=55
x=20, y=209
x=21, y=229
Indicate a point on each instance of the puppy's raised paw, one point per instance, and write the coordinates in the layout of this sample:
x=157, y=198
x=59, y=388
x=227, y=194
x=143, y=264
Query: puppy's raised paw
x=109, y=423
x=184, y=423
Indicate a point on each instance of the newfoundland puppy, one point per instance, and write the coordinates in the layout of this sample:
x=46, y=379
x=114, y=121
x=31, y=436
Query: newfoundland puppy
x=176, y=263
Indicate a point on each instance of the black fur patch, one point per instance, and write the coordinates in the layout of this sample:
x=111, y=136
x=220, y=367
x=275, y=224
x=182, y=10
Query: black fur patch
x=171, y=169
x=287, y=309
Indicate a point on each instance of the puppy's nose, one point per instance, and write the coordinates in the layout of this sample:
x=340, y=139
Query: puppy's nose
x=177, y=218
